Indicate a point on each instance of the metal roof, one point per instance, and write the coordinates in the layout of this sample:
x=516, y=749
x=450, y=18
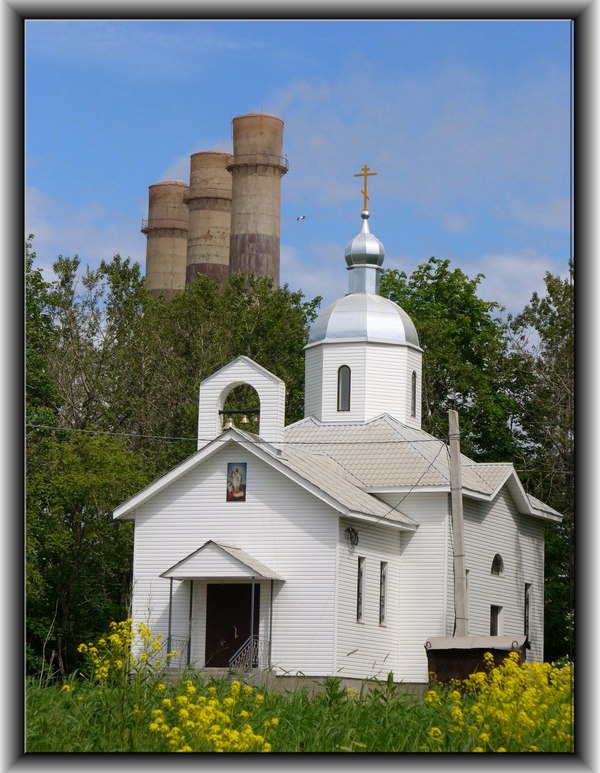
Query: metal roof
x=385, y=454
x=476, y=642
x=364, y=317
x=349, y=465
x=193, y=566
x=331, y=477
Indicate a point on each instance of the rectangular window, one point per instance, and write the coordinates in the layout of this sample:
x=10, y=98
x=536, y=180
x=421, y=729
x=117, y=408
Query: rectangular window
x=495, y=621
x=526, y=609
x=382, y=591
x=360, y=588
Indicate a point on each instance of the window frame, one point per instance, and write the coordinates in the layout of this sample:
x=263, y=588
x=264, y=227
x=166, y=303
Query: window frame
x=413, y=394
x=527, y=610
x=360, y=590
x=344, y=389
x=383, y=586
x=495, y=620
x=497, y=568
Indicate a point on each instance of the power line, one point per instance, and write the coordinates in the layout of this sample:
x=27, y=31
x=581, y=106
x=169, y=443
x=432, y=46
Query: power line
x=411, y=489
x=208, y=440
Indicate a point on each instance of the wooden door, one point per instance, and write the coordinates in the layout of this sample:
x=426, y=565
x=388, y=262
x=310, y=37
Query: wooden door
x=228, y=620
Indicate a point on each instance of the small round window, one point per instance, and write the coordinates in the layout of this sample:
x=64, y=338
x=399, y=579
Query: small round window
x=497, y=565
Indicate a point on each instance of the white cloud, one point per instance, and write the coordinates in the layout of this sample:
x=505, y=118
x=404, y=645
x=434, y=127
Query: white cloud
x=88, y=230
x=554, y=214
x=321, y=272
x=161, y=48
x=456, y=223
x=435, y=138
x=512, y=277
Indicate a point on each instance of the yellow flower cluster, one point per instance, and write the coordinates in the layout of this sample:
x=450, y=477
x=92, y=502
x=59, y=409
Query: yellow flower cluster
x=113, y=655
x=206, y=723
x=513, y=707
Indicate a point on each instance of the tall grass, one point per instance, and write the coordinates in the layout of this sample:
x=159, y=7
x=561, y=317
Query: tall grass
x=512, y=708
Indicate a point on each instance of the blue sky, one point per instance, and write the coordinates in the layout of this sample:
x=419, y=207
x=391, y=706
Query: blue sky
x=467, y=124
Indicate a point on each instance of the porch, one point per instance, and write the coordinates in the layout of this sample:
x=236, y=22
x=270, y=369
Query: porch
x=229, y=612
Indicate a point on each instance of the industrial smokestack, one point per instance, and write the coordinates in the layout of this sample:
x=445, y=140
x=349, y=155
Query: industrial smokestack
x=167, y=232
x=209, y=229
x=256, y=168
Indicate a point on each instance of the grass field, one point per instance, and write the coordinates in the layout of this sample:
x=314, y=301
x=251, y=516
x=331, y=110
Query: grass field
x=122, y=704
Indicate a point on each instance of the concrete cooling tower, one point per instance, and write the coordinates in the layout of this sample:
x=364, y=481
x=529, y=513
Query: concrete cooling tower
x=256, y=168
x=227, y=219
x=167, y=237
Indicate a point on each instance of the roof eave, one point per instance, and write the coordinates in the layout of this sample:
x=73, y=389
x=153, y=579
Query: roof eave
x=126, y=510
x=380, y=521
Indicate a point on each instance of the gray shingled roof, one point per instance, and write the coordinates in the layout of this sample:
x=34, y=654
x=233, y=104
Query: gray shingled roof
x=384, y=454
x=329, y=476
x=537, y=504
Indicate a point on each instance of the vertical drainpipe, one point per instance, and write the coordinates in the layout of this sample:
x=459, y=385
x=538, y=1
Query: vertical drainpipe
x=460, y=575
x=170, y=615
x=270, y=623
x=252, y=625
x=189, y=647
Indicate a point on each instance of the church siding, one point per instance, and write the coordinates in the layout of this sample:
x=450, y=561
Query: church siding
x=414, y=362
x=497, y=528
x=381, y=382
x=271, y=391
x=423, y=581
x=367, y=649
x=313, y=378
x=386, y=381
x=281, y=525
x=333, y=357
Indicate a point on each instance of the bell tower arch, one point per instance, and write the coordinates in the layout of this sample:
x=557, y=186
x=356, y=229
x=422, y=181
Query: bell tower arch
x=215, y=389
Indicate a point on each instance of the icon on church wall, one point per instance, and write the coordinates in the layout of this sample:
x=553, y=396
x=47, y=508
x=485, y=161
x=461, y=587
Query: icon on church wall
x=236, y=481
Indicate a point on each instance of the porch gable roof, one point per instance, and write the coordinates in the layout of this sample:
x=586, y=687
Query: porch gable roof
x=215, y=560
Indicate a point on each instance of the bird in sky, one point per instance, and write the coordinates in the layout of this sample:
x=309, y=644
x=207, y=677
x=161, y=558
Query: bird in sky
x=301, y=217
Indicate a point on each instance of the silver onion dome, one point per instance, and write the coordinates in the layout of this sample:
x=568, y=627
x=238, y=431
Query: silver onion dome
x=362, y=314
x=364, y=317
x=364, y=249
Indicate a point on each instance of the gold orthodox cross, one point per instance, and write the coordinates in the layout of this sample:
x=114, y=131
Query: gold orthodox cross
x=365, y=173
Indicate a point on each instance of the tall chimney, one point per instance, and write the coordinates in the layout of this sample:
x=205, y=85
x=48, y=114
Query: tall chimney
x=209, y=202
x=256, y=168
x=166, y=230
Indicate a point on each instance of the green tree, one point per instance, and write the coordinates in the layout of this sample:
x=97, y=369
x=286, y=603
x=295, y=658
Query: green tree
x=117, y=373
x=466, y=362
x=205, y=327
x=543, y=337
x=40, y=394
x=78, y=559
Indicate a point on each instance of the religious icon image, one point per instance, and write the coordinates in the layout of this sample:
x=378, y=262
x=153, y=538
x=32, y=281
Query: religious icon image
x=236, y=481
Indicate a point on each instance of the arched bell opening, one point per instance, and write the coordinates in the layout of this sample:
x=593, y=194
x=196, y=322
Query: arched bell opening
x=240, y=408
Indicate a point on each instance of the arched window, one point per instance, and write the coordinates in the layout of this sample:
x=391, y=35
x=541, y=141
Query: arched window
x=343, y=393
x=498, y=565
x=413, y=394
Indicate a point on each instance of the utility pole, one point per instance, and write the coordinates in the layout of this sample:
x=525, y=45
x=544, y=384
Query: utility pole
x=460, y=574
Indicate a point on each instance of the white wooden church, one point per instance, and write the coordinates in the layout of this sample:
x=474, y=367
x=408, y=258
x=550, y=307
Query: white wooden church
x=325, y=548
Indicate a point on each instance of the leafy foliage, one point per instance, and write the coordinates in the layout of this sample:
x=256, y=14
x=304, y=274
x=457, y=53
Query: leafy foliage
x=112, y=402
x=511, y=708
x=78, y=560
x=543, y=335
x=466, y=362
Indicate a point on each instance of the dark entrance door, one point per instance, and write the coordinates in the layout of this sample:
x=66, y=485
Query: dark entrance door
x=228, y=620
